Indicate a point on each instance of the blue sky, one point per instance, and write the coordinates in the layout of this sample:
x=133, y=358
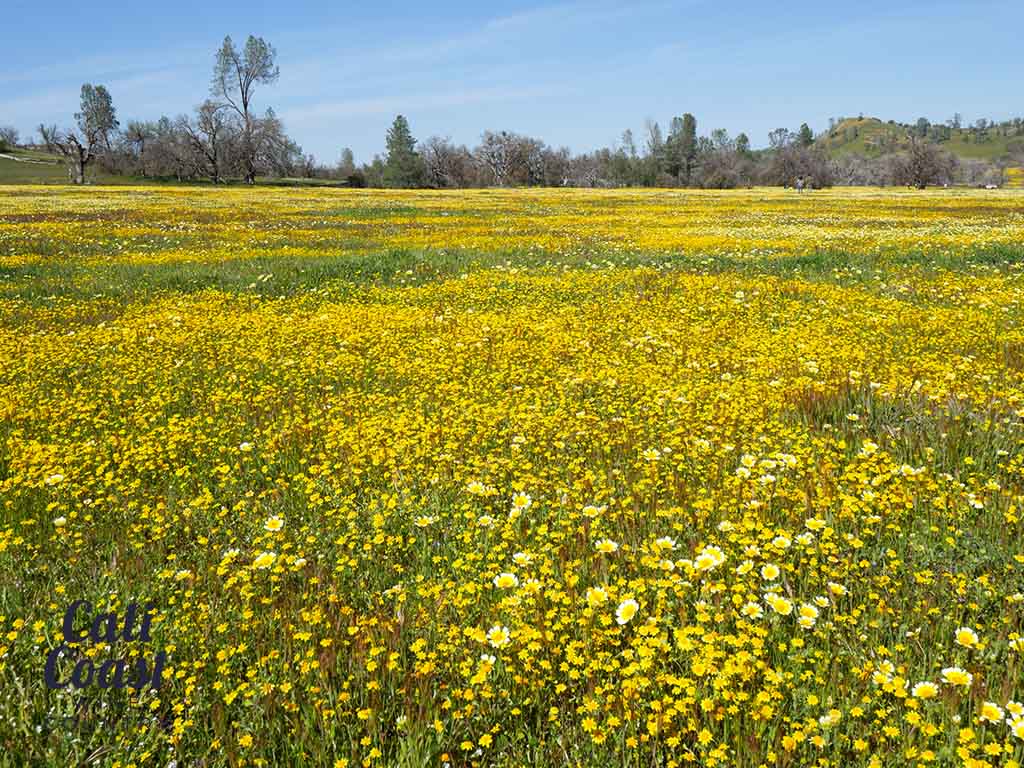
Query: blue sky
x=572, y=73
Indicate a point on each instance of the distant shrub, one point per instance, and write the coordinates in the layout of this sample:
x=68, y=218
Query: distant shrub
x=8, y=138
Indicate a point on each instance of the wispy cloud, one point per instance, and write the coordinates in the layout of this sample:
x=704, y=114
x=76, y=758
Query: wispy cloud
x=378, y=61
x=420, y=101
x=377, y=80
x=572, y=12
x=145, y=92
x=123, y=64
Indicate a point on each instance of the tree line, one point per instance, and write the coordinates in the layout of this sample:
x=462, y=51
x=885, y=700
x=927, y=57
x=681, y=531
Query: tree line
x=680, y=159
x=226, y=138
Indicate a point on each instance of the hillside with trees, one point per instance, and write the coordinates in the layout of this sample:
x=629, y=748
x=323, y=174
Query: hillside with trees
x=983, y=140
x=867, y=150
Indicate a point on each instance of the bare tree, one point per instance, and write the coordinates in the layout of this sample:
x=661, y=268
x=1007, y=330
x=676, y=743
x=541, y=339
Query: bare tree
x=77, y=153
x=780, y=138
x=96, y=121
x=512, y=159
x=980, y=173
x=447, y=165
x=275, y=153
x=528, y=160
x=494, y=154
x=136, y=135
x=859, y=170
x=790, y=160
x=924, y=164
x=721, y=169
x=557, y=163
x=585, y=171
x=308, y=166
x=8, y=137
x=169, y=151
x=235, y=77
x=207, y=137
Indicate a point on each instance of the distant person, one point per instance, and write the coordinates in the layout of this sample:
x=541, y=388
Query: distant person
x=799, y=183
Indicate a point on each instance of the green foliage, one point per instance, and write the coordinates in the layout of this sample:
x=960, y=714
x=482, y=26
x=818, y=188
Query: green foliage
x=403, y=168
x=689, y=145
x=97, y=117
x=236, y=73
x=805, y=137
x=871, y=137
x=743, y=145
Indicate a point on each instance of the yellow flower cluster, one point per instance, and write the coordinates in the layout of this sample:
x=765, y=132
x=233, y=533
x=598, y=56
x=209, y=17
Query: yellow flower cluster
x=205, y=225
x=754, y=500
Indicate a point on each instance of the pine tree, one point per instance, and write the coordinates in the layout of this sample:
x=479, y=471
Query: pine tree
x=805, y=137
x=403, y=167
x=688, y=145
x=673, y=148
x=743, y=146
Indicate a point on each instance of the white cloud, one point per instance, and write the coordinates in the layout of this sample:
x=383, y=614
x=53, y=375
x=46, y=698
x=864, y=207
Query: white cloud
x=420, y=101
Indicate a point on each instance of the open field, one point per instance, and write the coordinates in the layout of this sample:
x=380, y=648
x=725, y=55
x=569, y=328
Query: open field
x=25, y=167
x=503, y=478
x=29, y=166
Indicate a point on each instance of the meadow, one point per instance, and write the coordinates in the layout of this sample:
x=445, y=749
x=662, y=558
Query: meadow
x=515, y=477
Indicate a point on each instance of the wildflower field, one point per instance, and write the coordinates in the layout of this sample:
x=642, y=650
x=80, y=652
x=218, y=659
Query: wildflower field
x=513, y=478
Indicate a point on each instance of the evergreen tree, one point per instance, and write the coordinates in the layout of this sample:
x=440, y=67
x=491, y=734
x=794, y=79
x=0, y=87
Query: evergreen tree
x=403, y=167
x=805, y=137
x=743, y=145
x=688, y=145
x=674, y=148
x=653, y=160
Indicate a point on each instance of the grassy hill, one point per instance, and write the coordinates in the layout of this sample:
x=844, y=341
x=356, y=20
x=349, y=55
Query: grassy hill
x=29, y=166
x=21, y=166
x=872, y=137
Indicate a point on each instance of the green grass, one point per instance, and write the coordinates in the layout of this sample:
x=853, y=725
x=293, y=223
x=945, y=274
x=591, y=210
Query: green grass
x=38, y=167
x=34, y=154
x=341, y=273
x=50, y=169
x=993, y=149
x=35, y=167
x=315, y=365
x=871, y=130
